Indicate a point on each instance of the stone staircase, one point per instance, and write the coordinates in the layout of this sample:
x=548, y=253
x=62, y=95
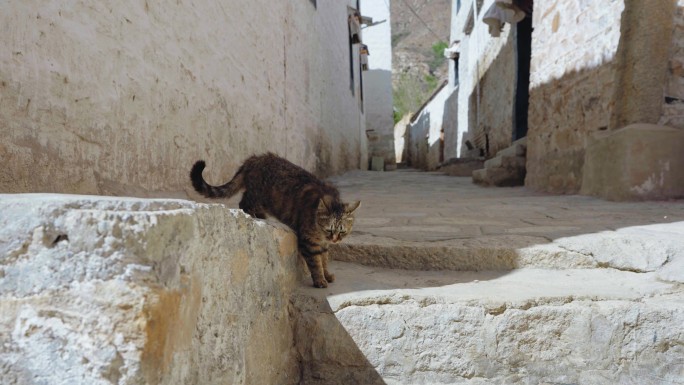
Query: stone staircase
x=450, y=284
x=506, y=169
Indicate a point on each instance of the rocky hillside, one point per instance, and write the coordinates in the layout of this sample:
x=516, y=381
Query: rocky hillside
x=420, y=30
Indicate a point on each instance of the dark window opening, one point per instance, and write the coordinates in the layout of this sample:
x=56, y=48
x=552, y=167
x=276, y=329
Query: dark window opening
x=313, y=2
x=455, y=71
x=522, y=94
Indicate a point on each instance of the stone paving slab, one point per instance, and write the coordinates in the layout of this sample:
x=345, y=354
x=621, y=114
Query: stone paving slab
x=426, y=220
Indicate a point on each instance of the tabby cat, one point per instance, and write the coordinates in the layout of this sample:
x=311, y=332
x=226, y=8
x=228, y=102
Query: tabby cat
x=312, y=208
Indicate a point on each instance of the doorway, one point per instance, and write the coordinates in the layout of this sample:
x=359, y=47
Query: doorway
x=522, y=93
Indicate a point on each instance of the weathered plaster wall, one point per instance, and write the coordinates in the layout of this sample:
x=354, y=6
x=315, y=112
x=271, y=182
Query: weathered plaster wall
x=377, y=81
x=122, y=99
x=424, y=133
x=493, y=130
x=574, y=48
x=450, y=123
x=486, y=89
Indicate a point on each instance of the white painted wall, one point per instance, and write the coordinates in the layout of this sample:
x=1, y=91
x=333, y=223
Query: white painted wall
x=478, y=50
x=121, y=98
x=424, y=132
x=378, y=80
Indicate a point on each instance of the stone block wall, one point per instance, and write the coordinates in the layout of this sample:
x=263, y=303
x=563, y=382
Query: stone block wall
x=673, y=108
x=574, y=48
x=121, y=99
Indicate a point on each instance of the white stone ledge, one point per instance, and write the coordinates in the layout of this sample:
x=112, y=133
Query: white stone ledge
x=598, y=326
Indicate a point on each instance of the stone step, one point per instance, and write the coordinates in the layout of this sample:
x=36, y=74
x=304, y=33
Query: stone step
x=461, y=166
x=500, y=176
x=650, y=248
x=517, y=148
x=506, y=161
x=526, y=326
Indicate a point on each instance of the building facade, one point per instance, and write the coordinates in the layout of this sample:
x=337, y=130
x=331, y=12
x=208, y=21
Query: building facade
x=121, y=99
x=569, y=76
x=377, y=80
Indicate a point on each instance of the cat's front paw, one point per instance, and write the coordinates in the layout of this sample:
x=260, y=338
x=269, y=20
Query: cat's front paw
x=320, y=283
x=330, y=277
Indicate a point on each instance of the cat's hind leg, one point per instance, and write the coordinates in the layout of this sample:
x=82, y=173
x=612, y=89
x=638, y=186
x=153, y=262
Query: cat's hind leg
x=249, y=205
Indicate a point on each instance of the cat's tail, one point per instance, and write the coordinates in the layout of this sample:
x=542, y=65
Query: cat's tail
x=224, y=191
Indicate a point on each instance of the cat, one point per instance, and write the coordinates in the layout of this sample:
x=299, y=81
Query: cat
x=310, y=207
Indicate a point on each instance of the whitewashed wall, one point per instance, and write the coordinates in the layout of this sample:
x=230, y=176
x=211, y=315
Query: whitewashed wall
x=378, y=80
x=122, y=97
x=479, y=52
x=424, y=132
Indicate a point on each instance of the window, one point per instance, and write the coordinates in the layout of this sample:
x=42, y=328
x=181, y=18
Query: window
x=455, y=70
x=313, y=2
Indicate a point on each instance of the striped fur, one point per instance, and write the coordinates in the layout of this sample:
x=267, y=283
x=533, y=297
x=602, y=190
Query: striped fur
x=276, y=187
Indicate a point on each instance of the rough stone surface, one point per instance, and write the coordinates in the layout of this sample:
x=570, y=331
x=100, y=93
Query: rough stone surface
x=122, y=98
x=673, y=109
x=594, y=297
x=638, y=162
x=128, y=291
x=526, y=326
x=572, y=81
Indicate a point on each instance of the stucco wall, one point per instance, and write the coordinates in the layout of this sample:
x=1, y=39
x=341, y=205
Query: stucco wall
x=377, y=81
x=122, y=98
x=424, y=132
x=486, y=86
x=574, y=47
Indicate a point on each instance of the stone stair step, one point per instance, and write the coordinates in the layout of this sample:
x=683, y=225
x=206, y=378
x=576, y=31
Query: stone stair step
x=506, y=161
x=461, y=166
x=500, y=176
x=517, y=148
x=651, y=248
x=552, y=326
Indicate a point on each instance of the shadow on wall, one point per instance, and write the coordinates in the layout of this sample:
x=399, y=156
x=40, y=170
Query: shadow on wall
x=379, y=114
x=417, y=133
x=491, y=104
x=563, y=113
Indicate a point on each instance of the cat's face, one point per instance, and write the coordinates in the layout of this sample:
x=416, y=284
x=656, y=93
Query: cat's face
x=336, y=224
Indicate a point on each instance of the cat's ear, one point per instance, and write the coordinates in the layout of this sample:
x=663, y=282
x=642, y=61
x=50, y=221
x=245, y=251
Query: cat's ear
x=350, y=207
x=324, y=204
